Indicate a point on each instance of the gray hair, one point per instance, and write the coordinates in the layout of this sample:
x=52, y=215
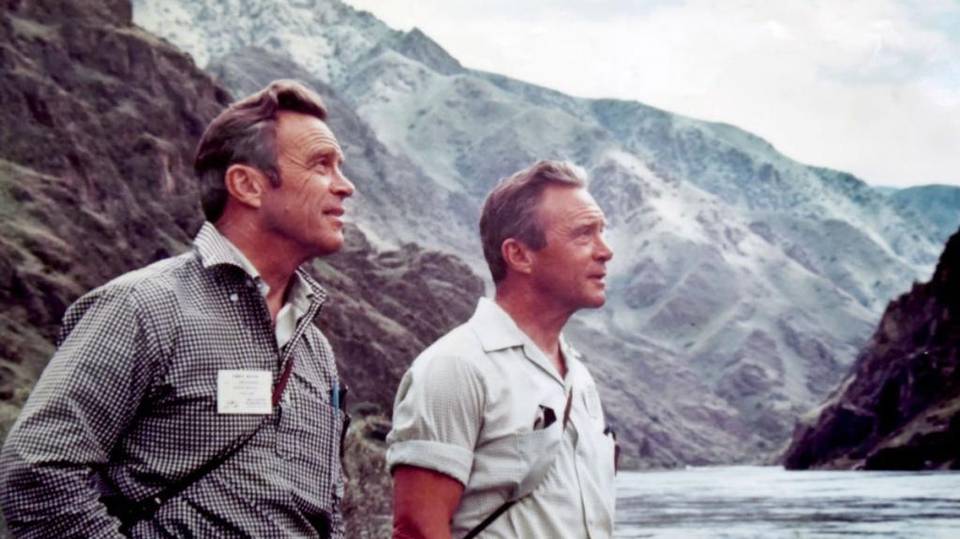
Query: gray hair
x=246, y=133
x=510, y=210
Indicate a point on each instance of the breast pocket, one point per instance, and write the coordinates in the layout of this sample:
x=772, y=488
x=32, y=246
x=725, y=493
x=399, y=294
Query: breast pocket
x=536, y=453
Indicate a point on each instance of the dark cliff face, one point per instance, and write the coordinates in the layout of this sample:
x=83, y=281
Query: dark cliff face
x=386, y=307
x=900, y=406
x=97, y=130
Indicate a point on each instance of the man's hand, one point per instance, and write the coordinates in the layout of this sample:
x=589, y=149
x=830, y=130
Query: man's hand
x=423, y=503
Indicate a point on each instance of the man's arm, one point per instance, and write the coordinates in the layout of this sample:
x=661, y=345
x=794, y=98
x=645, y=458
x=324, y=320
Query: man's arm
x=423, y=503
x=436, y=424
x=86, y=397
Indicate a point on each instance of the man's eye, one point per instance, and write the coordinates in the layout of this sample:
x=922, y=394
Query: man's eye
x=581, y=236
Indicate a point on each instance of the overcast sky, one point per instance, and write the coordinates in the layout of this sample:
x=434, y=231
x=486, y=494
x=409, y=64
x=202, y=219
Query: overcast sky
x=870, y=87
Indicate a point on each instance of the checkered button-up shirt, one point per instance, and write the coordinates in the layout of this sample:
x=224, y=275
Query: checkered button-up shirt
x=131, y=393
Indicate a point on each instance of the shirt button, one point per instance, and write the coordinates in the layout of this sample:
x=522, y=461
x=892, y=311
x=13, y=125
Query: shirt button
x=234, y=297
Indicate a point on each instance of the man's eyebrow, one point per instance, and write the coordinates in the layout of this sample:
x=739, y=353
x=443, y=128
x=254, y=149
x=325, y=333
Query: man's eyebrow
x=325, y=153
x=587, y=227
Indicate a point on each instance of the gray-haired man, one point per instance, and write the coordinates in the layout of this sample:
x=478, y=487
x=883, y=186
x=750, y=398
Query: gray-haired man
x=196, y=392
x=500, y=415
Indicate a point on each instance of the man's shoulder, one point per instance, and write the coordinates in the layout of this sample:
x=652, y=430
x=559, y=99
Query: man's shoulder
x=146, y=294
x=143, y=286
x=460, y=342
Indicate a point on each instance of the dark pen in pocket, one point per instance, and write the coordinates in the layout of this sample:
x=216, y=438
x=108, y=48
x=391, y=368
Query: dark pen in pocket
x=338, y=396
x=545, y=417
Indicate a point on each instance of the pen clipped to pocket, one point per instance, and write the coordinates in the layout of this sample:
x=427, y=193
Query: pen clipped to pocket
x=545, y=417
x=338, y=400
x=338, y=396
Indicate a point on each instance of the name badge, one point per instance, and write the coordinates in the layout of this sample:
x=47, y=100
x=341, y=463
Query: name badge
x=244, y=391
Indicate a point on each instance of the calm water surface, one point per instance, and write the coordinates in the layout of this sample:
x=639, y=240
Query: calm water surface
x=762, y=502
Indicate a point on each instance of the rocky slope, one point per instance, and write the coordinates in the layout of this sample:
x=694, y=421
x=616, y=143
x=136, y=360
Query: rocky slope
x=899, y=408
x=97, y=131
x=740, y=276
x=387, y=306
x=99, y=120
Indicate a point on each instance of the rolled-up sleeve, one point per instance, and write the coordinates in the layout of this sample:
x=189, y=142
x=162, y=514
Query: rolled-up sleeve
x=437, y=416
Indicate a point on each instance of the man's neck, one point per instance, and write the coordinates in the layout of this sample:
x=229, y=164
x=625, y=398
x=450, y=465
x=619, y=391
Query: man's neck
x=266, y=255
x=538, y=319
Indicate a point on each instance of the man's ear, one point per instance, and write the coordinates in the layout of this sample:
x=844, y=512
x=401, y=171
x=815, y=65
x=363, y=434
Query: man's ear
x=518, y=256
x=245, y=184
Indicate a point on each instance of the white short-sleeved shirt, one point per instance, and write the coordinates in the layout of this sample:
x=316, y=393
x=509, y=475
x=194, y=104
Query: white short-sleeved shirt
x=467, y=408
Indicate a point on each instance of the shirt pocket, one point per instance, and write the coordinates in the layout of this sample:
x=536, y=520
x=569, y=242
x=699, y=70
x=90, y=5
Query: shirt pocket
x=536, y=452
x=309, y=426
x=310, y=437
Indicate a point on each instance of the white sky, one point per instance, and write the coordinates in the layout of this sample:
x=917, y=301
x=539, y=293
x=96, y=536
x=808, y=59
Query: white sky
x=870, y=87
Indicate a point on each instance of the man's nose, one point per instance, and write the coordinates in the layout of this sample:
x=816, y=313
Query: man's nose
x=604, y=252
x=342, y=185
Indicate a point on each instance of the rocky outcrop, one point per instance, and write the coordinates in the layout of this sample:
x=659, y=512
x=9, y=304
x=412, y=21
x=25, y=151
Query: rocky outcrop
x=899, y=409
x=387, y=306
x=367, y=506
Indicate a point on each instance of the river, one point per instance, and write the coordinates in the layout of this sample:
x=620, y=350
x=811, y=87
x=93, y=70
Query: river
x=768, y=502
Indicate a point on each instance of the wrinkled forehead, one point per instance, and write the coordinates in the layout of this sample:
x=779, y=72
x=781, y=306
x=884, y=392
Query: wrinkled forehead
x=301, y=132
x=569, y=205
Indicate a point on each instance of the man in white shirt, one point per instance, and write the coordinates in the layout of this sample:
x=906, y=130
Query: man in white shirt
x=498, y=425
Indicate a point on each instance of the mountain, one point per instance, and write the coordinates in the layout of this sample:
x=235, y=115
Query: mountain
x=899, y=408
x=743, y=284
x=97, y=133
x=938, y=206
x=682, y=435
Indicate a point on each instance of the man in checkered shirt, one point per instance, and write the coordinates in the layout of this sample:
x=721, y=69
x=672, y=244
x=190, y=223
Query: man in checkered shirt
x=208, y=361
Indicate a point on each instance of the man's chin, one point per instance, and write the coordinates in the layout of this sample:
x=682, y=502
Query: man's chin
x=596, y=301
x=330, y=246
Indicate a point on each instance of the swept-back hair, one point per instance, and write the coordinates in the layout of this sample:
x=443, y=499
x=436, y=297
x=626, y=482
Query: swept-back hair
x=246, y=133
x=510, y=210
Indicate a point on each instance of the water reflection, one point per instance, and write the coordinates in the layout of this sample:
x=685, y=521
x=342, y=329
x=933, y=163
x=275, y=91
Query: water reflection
x=750, y=501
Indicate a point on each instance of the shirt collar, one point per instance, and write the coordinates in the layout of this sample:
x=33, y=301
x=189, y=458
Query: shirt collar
x=497, y=330
x=215, y=249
